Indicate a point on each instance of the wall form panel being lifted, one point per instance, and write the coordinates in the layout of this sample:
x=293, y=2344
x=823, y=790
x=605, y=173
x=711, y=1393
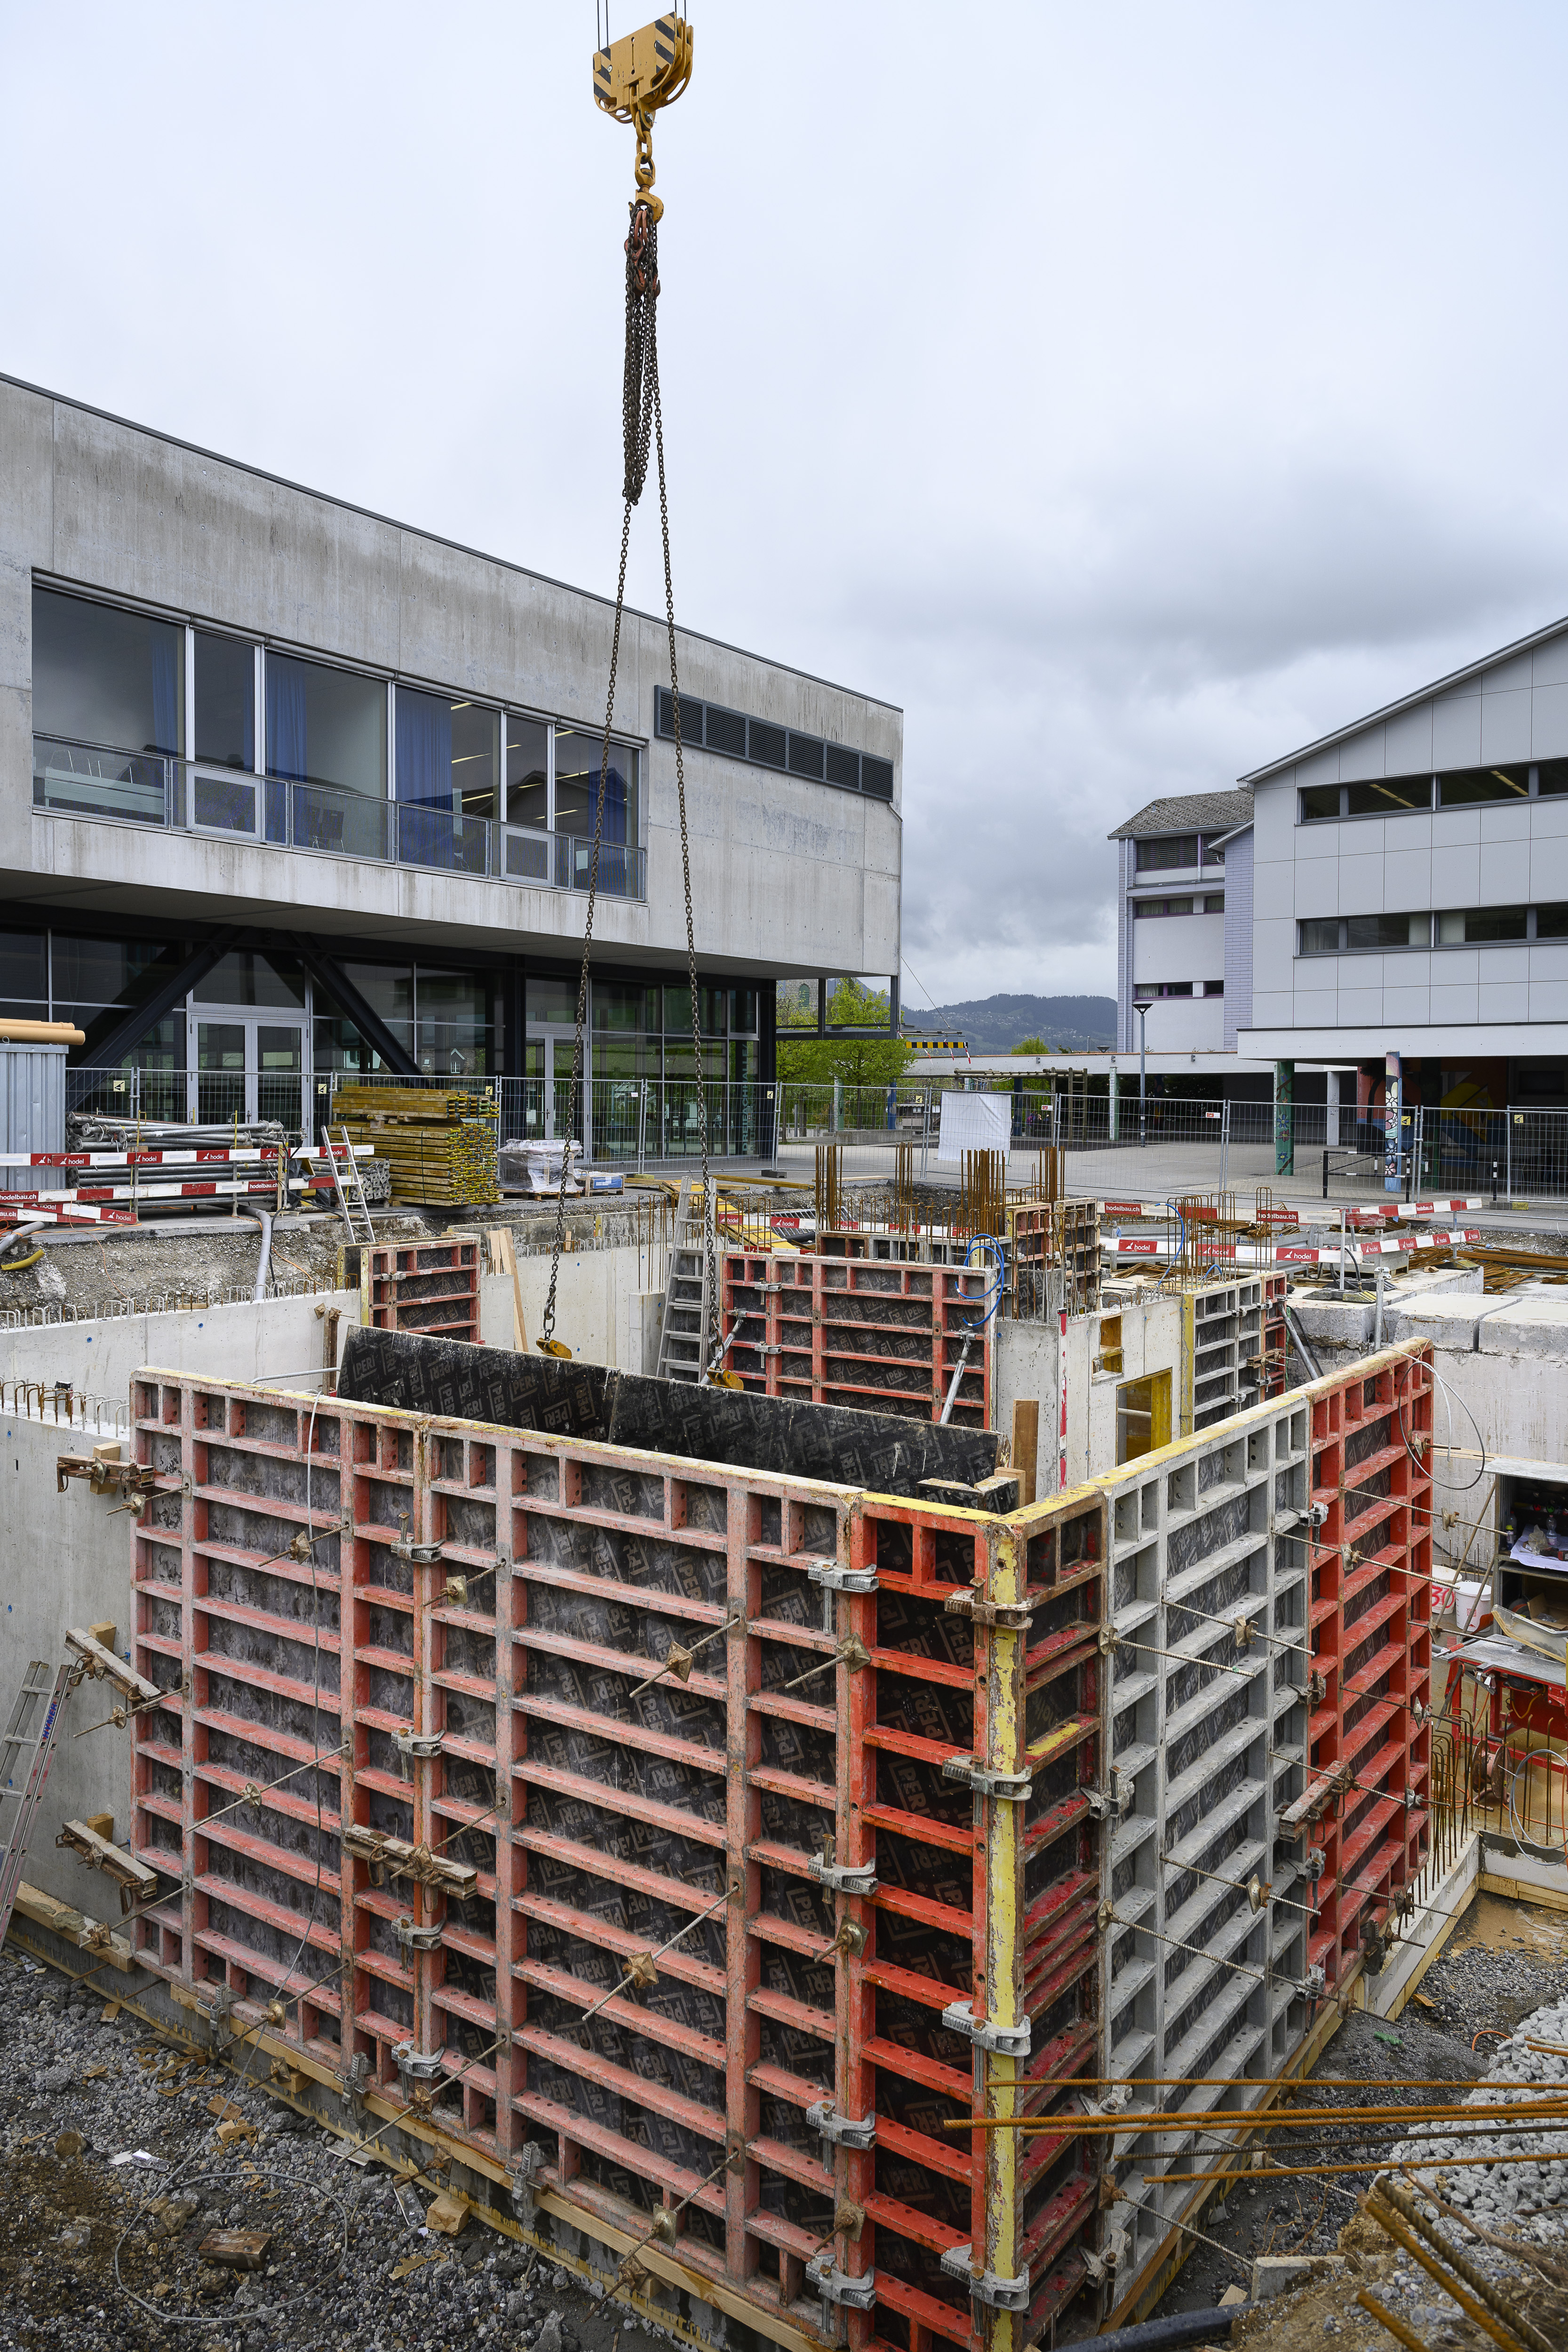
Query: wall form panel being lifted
x=688, y=1847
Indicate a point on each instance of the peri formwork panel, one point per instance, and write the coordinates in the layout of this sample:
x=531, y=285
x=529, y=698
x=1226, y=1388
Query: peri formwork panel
x=1247, y=1670
x=890, y=1338
x=428, y=1286
x=686, y=1844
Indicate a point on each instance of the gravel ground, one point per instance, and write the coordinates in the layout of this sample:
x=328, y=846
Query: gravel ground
x=350, y=2264
x=1504, y=1963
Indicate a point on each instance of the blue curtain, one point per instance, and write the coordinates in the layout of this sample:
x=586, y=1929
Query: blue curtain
x=424, y=831
x=165, y=688
x=286, y=717
x=284, y=738
x=615, y=806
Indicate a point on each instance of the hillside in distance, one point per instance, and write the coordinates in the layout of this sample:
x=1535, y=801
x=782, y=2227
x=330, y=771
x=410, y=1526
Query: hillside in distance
x=994, y=1024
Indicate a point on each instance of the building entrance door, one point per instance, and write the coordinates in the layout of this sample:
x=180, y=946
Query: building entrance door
x=246, y=1066
x=549, y=1110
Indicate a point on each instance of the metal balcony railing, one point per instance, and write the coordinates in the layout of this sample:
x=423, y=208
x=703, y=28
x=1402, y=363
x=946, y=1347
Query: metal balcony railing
x=99, y=782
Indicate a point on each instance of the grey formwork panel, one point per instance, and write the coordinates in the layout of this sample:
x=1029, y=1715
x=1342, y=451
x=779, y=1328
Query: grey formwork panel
x=1205, y=1731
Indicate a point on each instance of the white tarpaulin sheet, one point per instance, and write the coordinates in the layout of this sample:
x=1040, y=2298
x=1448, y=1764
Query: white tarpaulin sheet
x=973, y=1123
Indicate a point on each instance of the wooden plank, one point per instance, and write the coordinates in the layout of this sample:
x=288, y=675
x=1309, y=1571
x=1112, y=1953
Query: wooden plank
x=503, y=1259
x=1025, y=1445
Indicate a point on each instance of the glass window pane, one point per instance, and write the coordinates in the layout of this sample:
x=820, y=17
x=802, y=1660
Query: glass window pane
x=1451, y=929
x=577, y=785
x=454, y=1015
x=1319, y=801
x=102, y=676
x=1213, y=903
x=1464, y=787
x=104, y=971
x=1176, y=849
x=843, y=767
x=246, y=978
x=1321, y=935
x=25, y=970
x=527, y=773
x=326, y=726
x=1495, y=923
x=388, y=989
x=550, y=1001
x=1388, y=793
x=1551, y=923
x=226, y=701
x=1372, y=931
x=1212, y=856
x=625, y=1006
x=1552, y=777
x=476, y=757
x=743, y=1013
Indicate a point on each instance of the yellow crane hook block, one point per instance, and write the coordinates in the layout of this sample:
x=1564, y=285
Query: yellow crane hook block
x=637, y=75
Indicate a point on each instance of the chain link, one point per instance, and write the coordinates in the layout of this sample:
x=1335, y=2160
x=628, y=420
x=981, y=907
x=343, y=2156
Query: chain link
x=642, y=420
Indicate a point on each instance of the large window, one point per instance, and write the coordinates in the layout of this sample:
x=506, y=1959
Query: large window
x=105, y=677
x=1454, y=788
x=1467, y=787
x=1453, y=927
x=528, y=772
x=226, y=701
x=326, y=726
x=577, y=785
x=1168, y=850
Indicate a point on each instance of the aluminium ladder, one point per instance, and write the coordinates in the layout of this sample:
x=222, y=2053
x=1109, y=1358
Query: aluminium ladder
x=351, y=1202
x=25, y=1751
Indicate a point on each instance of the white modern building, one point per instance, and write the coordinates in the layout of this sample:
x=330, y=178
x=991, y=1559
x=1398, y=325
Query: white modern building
x=289, y=788
x=1410, y=889
x=1183, y=923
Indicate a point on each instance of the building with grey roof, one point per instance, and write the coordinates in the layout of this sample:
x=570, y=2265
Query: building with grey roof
x=1184, y=922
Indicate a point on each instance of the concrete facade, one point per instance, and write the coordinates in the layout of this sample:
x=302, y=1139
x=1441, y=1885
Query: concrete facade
x=789, y=874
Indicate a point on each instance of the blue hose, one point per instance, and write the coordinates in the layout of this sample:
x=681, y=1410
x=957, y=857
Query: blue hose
x=994, y=1291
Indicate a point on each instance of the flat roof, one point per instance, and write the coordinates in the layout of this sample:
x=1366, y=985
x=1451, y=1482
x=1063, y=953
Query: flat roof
x=436, y=538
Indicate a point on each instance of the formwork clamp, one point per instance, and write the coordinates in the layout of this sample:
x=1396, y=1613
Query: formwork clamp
x=998, y=2294
x=834, y=1579
x=413, y=1938
x=834, y=2285
x=842, y=2131
x=1007, y=1617
x=984, y=1782
x=417, y=2065
x=1002, y=2040
x=422, y=1555
x=843, y=1877
x=416, y=1747
x=1109, y=1804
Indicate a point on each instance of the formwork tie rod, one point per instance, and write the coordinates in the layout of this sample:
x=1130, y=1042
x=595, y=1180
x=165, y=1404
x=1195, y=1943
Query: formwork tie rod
x=1318, y=2171
x=678, y=1659
x=636, y=1963
x=1242, y=1626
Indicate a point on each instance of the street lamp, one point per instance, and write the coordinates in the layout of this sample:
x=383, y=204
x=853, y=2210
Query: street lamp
x=1141, y=1009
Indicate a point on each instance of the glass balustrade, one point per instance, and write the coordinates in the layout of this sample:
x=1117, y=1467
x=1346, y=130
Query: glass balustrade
x=98, y=781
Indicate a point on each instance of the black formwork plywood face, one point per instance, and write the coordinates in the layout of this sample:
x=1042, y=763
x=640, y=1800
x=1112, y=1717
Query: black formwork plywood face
x=877, y=1451
x=591, y=1806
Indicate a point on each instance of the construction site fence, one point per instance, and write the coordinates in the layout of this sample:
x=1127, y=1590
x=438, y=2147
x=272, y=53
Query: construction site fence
x=679, y=1850
x=647, y=1122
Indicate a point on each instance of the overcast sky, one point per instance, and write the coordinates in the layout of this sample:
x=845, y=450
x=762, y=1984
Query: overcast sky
x=1129, y=391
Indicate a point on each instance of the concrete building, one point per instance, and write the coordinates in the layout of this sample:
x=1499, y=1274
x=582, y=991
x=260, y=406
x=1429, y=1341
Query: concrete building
x=1184, y=922
x=1411, y=889
x=287, y=788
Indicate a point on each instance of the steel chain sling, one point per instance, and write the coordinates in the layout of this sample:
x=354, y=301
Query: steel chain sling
x=642, y=420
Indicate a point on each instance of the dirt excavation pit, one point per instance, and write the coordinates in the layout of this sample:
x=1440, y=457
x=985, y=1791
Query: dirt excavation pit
x=1505, y=1962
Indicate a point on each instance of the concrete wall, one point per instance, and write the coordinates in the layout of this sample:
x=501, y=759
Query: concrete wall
x=1027, y=1366
x=784, y=872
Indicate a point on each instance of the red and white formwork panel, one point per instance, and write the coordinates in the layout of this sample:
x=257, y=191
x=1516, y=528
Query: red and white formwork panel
x=680, y=1849
x=882, y=1336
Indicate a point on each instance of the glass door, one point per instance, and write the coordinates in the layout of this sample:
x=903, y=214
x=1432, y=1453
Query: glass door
x=243, y=1066
x=549, y=1110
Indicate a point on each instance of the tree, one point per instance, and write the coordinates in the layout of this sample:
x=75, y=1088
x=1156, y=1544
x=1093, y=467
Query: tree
x=1031, y=1045
x=857, y=1061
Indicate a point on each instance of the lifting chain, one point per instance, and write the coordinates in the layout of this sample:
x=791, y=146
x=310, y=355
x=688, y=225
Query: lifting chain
x=642, y=422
